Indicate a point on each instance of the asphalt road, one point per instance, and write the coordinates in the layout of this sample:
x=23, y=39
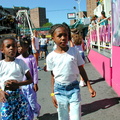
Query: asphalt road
x=105, y=106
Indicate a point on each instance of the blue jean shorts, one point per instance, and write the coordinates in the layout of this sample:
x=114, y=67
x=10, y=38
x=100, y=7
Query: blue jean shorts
x=68, y=100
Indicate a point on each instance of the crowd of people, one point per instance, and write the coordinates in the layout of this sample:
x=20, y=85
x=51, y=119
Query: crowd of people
x=19, y=85
x=101, y=20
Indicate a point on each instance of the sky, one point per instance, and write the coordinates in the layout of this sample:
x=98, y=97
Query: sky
x=56, y=10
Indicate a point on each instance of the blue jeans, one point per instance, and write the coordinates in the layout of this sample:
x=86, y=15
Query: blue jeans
x=68, y=100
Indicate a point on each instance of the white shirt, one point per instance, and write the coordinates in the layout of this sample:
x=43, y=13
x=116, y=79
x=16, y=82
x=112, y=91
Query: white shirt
x=65, y=65
x=43, y=41
x=0, y=55
x=14, y=70
x=79, y=48
x=36, y=43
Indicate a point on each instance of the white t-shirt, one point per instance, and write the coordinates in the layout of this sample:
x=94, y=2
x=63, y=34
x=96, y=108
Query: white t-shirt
x=0, y=55
x=14, y=70
x=65, y=65
x=43, y=41
x=36, y=43
x=79, y=48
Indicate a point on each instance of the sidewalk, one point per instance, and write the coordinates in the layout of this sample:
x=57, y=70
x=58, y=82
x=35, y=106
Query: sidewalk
x=105, y=106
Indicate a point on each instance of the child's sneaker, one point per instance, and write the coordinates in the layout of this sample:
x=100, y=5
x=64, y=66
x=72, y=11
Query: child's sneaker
x=36, y=118
x=82, y=83
x=39, y=69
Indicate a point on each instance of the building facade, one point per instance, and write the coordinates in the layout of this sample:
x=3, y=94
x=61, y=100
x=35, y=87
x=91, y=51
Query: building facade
x=91, y=5
x=38, y=17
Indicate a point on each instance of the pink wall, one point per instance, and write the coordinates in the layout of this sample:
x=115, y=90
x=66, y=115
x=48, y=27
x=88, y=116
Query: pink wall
x=116, y=69
x=102, y=65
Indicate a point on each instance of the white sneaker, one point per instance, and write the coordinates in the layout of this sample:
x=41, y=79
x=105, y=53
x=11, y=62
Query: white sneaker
x=36, y=118
x=82, y=83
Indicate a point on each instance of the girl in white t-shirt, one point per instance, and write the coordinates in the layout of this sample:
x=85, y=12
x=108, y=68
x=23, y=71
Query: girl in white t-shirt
x=65, y=64
x=12, y=70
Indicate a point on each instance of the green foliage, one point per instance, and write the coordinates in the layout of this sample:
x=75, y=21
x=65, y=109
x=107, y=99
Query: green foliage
x=49, y=24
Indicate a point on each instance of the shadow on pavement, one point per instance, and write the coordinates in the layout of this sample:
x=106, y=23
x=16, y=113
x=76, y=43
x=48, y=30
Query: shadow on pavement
x=96, y=81
x=49, y=117
x=97, y=105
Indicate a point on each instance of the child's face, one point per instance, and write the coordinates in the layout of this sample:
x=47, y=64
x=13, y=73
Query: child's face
x=60, y=37
x=35, y=33
x=22, y=49
x=9, y=48
x=19, y=48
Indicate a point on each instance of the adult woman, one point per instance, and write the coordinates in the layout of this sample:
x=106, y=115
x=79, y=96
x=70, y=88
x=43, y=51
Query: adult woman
x=103, y=16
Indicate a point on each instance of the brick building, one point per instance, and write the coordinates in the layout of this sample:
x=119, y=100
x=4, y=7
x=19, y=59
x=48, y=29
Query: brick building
x=38, y=17
x=91, y=5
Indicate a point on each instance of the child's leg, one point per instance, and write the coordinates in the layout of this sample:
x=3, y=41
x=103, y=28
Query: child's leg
x=62, y=101
x=75, y=111
x=75, y=103
x=63, y=113
x=32, y=99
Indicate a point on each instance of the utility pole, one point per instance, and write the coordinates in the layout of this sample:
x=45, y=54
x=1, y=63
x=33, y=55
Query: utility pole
x=78, y=2
x=25, y=12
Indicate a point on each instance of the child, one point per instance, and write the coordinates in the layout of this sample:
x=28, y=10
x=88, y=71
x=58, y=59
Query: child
x=35, y=47
x=12, y=70
x=65, y=63
x=79, y=45
x=43, y=46
x=30, y=90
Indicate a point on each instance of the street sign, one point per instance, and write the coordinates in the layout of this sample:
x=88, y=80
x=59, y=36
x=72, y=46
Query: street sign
x=71, y=15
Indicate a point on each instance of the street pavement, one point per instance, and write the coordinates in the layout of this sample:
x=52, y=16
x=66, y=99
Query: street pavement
x=105, y=106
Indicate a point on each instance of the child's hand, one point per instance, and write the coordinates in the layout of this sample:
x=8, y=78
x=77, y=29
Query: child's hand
x=11, y=84
x=45, y=68
x=92, y=92
x=2, y=96
x=35, y=87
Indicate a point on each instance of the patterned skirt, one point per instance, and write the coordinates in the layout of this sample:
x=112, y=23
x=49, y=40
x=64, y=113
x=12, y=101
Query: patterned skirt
x=16, y=106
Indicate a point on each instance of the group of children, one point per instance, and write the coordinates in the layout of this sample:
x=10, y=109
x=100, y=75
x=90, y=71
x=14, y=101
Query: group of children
x=19, y=78
x=18, y=81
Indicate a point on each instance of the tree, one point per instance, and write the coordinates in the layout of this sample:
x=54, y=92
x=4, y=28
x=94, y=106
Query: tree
x=49, y=24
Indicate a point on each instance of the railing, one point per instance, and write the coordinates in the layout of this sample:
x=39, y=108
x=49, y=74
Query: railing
x=99, y=36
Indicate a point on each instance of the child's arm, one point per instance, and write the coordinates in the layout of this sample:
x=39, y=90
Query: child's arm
x=33, y=43
x=2, y=96
x=27, y=81
x=14, y=84
x=35, y=87
x=52, y=86
x=85, y=78
x=35, y=73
